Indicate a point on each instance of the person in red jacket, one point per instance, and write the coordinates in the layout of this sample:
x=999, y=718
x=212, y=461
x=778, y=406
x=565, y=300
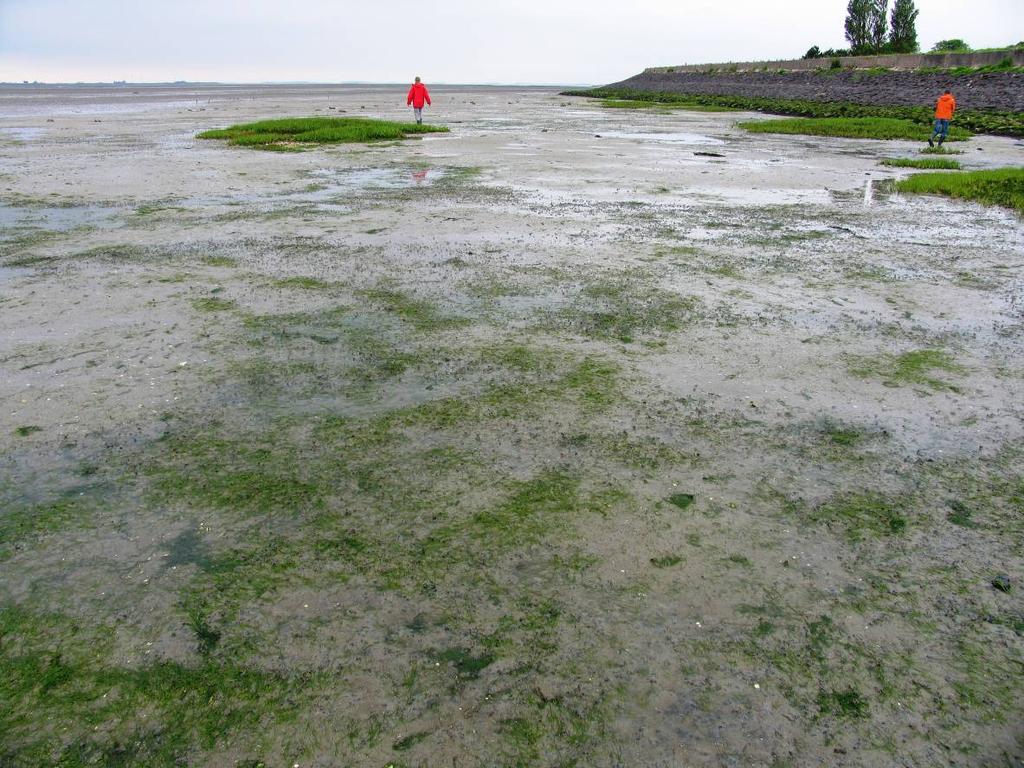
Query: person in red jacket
x=944, y=109
x=418, y=95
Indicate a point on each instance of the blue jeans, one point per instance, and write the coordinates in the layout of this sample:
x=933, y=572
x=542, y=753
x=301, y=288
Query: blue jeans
x=941, y=128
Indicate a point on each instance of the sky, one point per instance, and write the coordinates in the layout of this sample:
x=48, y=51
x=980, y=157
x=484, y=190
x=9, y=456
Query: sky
x=456, y=41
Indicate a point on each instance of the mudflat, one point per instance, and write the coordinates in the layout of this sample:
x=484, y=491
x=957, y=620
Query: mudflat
x=574, y=436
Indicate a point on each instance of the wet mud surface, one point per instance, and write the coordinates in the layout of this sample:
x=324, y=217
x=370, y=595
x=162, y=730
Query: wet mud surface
x=999, y=91
x=550, y=441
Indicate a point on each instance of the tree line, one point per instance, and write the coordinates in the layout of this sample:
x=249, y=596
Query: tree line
x=872, y=29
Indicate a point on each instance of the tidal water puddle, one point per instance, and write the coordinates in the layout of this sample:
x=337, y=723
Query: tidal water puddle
x=357, y=179
x=23, y=133
x=678, y=137
x=55, y=218
x=328, y=192
x=761, y=197
x=12, y=273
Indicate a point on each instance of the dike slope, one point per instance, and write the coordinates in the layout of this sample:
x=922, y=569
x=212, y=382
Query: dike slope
x=988, y=91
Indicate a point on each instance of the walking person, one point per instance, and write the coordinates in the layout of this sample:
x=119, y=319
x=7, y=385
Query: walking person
x=418, y=95
x=944, y=109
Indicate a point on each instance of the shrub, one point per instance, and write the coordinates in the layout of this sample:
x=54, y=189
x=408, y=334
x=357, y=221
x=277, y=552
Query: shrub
x=954, y=45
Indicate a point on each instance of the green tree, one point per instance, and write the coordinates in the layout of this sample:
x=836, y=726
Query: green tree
x=858, y=25
x=879, y=25
x=951, y=46
x=903, y=27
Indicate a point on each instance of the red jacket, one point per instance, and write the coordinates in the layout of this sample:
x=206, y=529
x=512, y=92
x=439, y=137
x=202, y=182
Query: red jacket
x=945, y=107
x=417, y=95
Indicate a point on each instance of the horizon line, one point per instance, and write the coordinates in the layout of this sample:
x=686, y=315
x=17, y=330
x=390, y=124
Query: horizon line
x=127, y=83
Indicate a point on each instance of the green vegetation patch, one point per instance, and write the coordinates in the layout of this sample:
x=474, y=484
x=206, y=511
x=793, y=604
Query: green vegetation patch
x=420, y=314
x=324, y=326
x=1003, y=187
x=244, y=477
x=563, y=731
x=64, y=702
x=295, y=132
x=213, y=304
x=24, y=521
x=622, y=309
x=850, y=128
x=916, y=367
x=843, y=436
x=924, y=163
x=847, y=703
x=646, y=453
x=25, y=431
x=535, y=509
x=305, y=283
x=961, y=514
x=666, y=561
x=862, y=515
x=681, y=500
x=465, y=663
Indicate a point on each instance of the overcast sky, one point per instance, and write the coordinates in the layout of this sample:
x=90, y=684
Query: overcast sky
x=454, y=41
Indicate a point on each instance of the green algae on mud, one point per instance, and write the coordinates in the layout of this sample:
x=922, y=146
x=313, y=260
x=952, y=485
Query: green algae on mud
x=622, y=308
x=420, y=314
x=57, y=670
x=24, y=521
x=861, y=515
x=213, y=304
x=400, y=504
x=295, y=133
x=305, y=283
x=914, y=367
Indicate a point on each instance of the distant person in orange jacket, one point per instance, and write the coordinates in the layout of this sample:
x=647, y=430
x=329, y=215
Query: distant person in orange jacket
x=418, y=94
x=944, y=109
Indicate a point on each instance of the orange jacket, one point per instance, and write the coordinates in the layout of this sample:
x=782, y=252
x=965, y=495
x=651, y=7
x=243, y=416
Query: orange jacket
x=945, y=107
x=417, y=95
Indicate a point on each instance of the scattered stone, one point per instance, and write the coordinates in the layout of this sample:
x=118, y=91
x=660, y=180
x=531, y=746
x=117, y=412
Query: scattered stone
x=1002, y=583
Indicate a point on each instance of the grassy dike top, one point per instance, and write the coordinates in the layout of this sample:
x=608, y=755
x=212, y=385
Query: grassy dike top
x=289, y=134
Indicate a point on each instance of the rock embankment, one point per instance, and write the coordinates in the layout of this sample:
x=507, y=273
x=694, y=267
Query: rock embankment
x=986, y=91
